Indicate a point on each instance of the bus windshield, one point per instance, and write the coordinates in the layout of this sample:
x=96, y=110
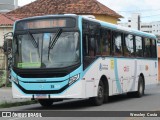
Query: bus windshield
x=35, y=51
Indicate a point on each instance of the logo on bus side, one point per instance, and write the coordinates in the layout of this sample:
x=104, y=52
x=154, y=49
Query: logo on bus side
x=103, y=67
x=126, y=68
x=146, y=67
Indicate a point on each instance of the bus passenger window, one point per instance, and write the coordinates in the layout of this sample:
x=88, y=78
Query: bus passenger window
x=128, y=45
x=85, y=45
x=147, y=46
x=88, y=46
x=117, y=44
x=89, y=36
x=98, y=45
x=153, y=48
x=92, y=46
x=139, y=49
x=105, y=42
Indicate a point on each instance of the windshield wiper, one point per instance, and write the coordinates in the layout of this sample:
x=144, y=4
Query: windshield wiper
x=33, y=40
x=54, y=40
x=35, y=44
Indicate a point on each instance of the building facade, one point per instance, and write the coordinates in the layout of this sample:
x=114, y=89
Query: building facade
x=152, y=27
x=8, y=5
x=6, y=23
x=133, y=22
x=146, y=27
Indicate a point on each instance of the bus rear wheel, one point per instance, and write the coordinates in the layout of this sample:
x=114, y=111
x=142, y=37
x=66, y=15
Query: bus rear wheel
x=99, y=99
x=45, y=102
x=140, y=91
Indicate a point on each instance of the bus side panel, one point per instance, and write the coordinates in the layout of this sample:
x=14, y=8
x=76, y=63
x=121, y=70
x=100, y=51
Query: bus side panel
x=106, y=68
x=126, y=71
x=91, y=79
x=149, y=69
x=122, y=74
x=100, y=67
x=119, y=73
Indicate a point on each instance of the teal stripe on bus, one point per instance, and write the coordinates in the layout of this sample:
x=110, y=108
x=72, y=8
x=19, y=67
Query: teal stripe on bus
x=117, y=76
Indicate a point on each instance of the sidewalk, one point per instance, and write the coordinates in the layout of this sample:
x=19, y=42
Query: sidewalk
x=6, y=96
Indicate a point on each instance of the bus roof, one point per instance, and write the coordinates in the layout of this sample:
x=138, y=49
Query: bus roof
x=121, y=28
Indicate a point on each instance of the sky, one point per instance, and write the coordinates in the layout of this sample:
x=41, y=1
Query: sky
x=149, y=9
x=24, y=2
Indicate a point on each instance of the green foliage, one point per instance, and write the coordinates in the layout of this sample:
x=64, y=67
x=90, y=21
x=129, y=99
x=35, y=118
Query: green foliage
x=9, y=84
x=2, y=78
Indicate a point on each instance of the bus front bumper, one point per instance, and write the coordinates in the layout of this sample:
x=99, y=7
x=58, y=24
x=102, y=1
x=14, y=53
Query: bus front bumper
x=76, y=90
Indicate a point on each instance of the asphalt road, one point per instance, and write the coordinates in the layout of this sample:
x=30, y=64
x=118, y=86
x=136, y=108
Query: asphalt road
x=149, y=102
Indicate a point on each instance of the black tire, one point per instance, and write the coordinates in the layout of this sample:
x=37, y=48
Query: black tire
x=131, y=94
x=140, y=91
x=106, y=95
x=45, y=102
x=99, y=99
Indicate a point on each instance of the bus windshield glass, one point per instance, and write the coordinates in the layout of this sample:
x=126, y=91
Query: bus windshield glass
x=34, y=51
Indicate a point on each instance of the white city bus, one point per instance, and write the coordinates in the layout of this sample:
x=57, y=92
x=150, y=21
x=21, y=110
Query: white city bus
x=58, y=57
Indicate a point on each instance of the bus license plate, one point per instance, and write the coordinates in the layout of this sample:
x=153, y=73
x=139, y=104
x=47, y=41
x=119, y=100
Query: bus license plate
x=41, y=96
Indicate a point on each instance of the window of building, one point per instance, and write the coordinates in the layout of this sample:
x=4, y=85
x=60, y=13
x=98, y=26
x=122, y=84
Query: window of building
x=117, y=44
x=105, y=41
x=128, y=45
x=139, y=48
x=147, y=50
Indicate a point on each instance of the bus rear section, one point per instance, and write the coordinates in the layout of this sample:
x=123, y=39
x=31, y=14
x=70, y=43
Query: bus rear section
x=117, y=60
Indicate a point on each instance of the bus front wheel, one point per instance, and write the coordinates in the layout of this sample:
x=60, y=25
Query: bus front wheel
x=45, y=102
x=99, y=99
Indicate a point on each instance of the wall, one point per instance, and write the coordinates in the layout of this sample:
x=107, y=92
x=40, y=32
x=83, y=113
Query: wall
x=105, y=18
x=7, y=5
x=156, y=27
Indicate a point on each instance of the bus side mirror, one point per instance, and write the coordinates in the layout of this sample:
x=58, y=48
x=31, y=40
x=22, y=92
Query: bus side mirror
x=7, y=45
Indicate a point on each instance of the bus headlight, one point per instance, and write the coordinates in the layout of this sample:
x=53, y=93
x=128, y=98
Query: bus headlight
x=15, y=80
x=73, y=79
